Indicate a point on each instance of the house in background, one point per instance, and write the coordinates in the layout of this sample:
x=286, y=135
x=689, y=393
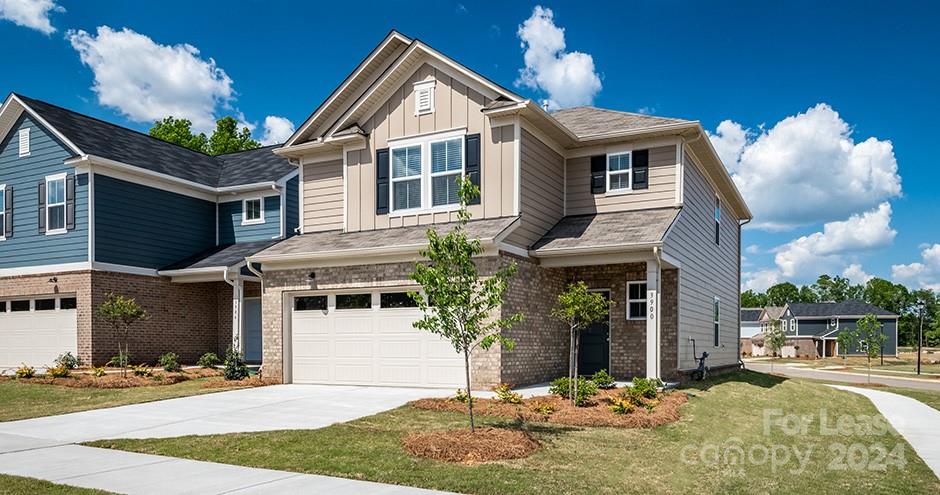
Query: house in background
x=750, y=326
x=90, y=208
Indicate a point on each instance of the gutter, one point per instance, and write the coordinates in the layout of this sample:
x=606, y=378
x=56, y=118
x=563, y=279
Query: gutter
x=610, y=248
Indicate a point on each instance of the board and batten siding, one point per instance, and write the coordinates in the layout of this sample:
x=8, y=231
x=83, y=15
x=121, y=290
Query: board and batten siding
x=542, y=181
x=455, y=106
x=144, y=227
x=660, y=194
x=292, y=206
x=707, y=270
x=27, y=247
x=323, y=195
x=231, y=230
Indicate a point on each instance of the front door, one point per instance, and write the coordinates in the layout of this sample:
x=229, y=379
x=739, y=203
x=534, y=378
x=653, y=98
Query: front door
x=594, y=352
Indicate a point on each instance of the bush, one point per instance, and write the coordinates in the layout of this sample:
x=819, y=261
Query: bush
x=461, y=396
x=505, y=394
x=647, y=388
x=586, y=389
x=142, y=370
x=170, y=362
x=603, y=380
x=235, y=368
x=68, y=360
x=543, y=408
x=98, y=372
x=25, y=371
x=621, y=405
x=208, y=360
x=119, y=361
x=59, y=372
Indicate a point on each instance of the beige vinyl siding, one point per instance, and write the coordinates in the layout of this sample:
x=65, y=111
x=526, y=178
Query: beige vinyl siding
x=661, y=192
x=541, y=175
x=707, y=270
x=455, y=106
x=323, y=195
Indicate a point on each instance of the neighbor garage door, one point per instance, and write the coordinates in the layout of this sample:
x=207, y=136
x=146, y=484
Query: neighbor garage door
x=36, y=331
x=367, y=338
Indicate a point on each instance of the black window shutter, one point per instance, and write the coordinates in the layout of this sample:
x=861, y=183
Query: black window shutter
x=42, y=206
x=8, y=212
x=641, y=169
x=381, y=181
x=599, y=174
x=70, y=202
x=472, y=165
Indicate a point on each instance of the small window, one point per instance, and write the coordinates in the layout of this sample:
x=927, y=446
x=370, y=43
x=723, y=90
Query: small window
x=67, y=303
x=19, y=305
x=55, y=205
x=424, y=97
x=3, y=190
x=391, y=300
x=636, y=300
x=832, y=322
x=353, y=301
x=619, y=172
x=310, y=303
x=3, y=306
x=406, y=178
x=252, y=211
x=446, y=168
x=717, y=220
x=24, y=142
x=717, y=322
x=45, y=304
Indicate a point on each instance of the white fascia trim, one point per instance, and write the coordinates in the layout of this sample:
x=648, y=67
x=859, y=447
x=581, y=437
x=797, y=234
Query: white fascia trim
x=192, y=271
x=45, y=269
x=98, y=160
x=610, y=248
x=282, y=182
x=413, y=139
x=330, y=143
x=75, y=149
x=91, y=215
x=349, y=253
x=134, y=270
x=516, y=165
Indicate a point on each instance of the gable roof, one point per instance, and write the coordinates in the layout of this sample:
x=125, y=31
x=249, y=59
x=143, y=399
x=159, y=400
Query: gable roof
x=851, y=307
x=590, y=121
x=750, y=315
x=96, y=137
x=773, y=312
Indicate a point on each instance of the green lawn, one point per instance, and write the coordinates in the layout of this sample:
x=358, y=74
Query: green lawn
x=932, y=399
x=22, y=400
x=17, y=485
x=905, y=365
x=594, y=460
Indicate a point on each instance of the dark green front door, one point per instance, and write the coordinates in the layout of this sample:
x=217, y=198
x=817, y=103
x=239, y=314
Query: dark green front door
x=594, y=353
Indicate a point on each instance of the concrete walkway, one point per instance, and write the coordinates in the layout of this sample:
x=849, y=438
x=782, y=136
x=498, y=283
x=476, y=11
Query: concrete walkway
x=917, y=422
x=45, y=448
x=931, y=384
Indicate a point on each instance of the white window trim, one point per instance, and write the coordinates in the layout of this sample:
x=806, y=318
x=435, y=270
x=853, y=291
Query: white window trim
x=65, y=195
x=24, y=133
x=629, y=173
x=641, y=300
x=424, y=86
x=716, y=323
x=3, y=211
x=257, y=221
x=717, y=215
x=431, y=175
x=425, y=143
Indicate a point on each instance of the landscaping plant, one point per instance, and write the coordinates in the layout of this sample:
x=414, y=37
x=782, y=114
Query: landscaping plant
x=25, y=371
x=235, y=367
x=585, y=389
x=505, y=394
x=170, y=362
x=578, y=307
x=143, y=370
x=68, y=360
x=208, y=360
x=121, y=312
x=603, y=380
x=463, y=303
x=98, y=372
x=59, y=372
x=461, y=395
x=774, y=339
x=871, y=338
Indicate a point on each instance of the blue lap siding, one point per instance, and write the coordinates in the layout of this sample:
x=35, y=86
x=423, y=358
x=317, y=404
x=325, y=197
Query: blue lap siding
x=27, y=247
x=232, y=231
x=293, y=207
x=141, y=226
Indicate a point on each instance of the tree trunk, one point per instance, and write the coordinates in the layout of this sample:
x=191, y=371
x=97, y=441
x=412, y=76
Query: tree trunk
x=577, y=343
x=466, y=366
x=571, y=365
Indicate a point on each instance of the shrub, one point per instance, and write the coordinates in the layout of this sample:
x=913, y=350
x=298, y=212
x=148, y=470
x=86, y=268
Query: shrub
x=586, y=389
x=142, y=370
x=208, y=360
x=98, y=372
x=603, y=380
x=461, y=396
x=59, y=372
x=120, y=360
x=170, y=362
x=68, y=360
x=235, y=368
x=543, y=408
x=25, y=371
x=505, y=394
x=621, y=405
x=646, y=388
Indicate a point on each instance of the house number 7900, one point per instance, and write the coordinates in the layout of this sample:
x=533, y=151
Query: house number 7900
x=651, y=304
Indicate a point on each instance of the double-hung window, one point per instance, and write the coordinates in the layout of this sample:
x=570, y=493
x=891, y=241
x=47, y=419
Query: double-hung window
x=406, y=178
x=619, y=172
x=252, y=211
x=717, y=322
x=717, y=220
x=55, y=204
x=3, y=218
x=636, y=300
x=424, y=172
x=446, y=168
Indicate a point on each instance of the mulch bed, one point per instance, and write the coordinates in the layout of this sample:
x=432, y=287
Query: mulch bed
x=253, y=381
x=596, y=413
x=486, y=444
x=114, y=380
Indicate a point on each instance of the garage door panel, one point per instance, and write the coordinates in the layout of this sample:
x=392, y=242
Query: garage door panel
x=403, y=349
x=36, y=338
x=353, y=349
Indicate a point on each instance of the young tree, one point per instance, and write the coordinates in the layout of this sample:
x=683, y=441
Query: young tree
x=846, y=339
x=578, y=307
x=121, y=312
x=870, y=338
x=179, y=131
x=460, y=305
x=774, y=338
x=228, y=139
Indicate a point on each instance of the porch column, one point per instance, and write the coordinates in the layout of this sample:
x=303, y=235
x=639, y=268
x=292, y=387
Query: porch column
x=237, y=298
x=652, y=320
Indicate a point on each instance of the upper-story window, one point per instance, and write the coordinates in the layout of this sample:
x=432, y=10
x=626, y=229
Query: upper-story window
x=24, y=142
x=55, y=204
x=619, y=172
x=424, y=172
x=446, y=168
x=424, y=97
x=406, y=178
x=252, y=211
x=3, y=211
x=717, y=220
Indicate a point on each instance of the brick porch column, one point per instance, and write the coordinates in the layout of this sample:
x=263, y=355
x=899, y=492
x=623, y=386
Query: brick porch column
x=652, y=319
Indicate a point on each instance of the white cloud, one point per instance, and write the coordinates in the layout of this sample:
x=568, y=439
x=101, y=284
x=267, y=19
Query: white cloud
x=924, y=274
x=568, y=77
x=752, y=249
x=760, y=280
x=33, y=14
x=147, y=81
x=276, y=130
x=856, y=274
x=807, y=168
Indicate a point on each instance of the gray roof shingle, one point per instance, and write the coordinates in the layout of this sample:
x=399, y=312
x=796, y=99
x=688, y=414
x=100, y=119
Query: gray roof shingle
x=589, y=121
x=851, y=307
x=750, y=314
x=107, y=140
x=222, y=256
x=622, y=228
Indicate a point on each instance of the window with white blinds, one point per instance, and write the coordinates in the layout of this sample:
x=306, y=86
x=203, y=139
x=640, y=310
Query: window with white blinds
x=406, y=178
x=446, y=167
x=424, y=172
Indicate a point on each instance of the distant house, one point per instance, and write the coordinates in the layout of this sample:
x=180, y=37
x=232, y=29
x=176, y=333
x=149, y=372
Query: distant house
x=750, y=322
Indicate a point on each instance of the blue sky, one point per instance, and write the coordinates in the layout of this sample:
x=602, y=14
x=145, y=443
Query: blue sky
x=873, y=66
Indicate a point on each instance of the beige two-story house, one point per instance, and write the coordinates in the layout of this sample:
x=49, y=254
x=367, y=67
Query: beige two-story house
x=639, y=207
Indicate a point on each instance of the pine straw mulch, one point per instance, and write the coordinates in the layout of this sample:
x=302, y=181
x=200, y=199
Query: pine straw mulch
x=461, y=446
x=115, y=380
x=596, y=413
x=253, y=381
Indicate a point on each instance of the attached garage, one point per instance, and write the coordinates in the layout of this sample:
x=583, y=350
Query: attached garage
x=367, y=338
x=36, y=331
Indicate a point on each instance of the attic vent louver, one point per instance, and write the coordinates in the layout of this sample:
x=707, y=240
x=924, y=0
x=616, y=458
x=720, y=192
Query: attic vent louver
x=424, y=97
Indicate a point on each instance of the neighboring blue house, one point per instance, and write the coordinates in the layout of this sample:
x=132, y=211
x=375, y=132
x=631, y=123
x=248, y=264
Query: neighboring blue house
x=821, y=323
x=90, y=208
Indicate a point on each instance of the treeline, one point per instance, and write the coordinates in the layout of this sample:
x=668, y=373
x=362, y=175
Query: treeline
x=879, y=292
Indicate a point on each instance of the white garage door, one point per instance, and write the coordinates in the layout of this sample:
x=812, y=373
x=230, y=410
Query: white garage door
x=37, y=331
x=367, y=338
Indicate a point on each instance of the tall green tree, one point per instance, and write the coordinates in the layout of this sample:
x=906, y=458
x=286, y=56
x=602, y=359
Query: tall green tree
x=460, y=305
x=226, y=138
x=578, y=308
x=884, y=294
x=179, y=131
x=808, y=295
x=751, y=299
x=834, y=289
x=783, y=293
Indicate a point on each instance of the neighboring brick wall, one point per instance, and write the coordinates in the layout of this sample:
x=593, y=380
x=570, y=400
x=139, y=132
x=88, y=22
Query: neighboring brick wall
x=669, y=326
x=78, y=283
x=225, y=318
